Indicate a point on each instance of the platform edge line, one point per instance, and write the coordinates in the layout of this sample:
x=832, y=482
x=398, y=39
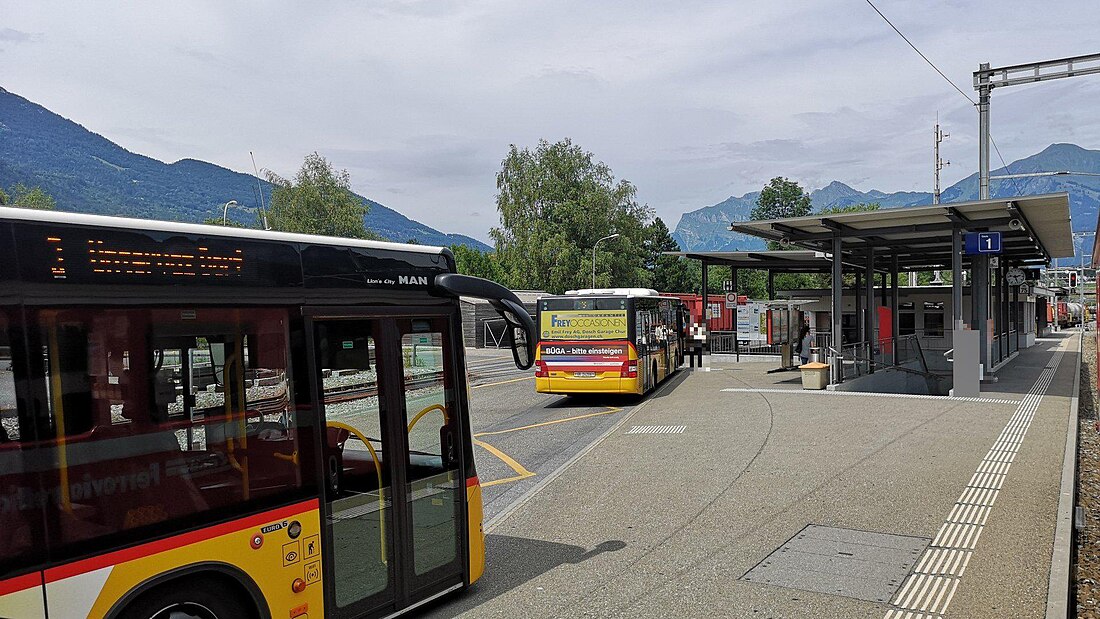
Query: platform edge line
x=1059, y=585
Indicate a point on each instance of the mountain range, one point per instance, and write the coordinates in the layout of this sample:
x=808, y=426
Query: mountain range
x=85, y=172
x=706, y=229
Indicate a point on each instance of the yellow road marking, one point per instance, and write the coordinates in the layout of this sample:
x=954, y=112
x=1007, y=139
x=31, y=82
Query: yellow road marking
x=611, y=409
x=521, y=472
x=506, y=480
x=503, y=382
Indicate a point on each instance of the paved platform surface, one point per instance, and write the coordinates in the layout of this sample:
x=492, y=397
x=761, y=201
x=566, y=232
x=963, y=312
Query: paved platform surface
x=657, y=524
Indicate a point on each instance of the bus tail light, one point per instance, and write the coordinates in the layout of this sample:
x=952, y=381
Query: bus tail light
x=629, y=370
x=540, y=369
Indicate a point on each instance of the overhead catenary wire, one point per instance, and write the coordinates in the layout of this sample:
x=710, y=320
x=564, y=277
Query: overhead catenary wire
x=921, y=54
x=998, y=151
x=948, y=80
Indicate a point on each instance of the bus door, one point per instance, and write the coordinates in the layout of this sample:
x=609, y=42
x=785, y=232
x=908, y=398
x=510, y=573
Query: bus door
x=394, y=490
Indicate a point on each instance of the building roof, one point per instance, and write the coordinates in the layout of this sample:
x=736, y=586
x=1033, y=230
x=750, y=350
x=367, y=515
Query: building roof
x=1034, y=229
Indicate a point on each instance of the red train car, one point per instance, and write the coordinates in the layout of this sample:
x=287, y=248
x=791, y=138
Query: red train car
x=721, y=318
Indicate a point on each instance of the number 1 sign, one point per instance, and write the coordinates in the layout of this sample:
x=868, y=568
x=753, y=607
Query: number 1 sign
x=982, y=243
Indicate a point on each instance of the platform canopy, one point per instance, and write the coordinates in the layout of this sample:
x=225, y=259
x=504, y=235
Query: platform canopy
x=793, y=261
x=1034, y=230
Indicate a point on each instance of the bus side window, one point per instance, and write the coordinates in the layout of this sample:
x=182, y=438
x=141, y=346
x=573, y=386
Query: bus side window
x=165, y=414
x=21, y=531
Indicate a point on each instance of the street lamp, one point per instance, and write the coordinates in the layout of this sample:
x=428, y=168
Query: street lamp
x=225, y=210
x=606, y=238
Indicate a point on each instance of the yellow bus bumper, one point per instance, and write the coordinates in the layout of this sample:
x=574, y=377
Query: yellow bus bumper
x=561, y=383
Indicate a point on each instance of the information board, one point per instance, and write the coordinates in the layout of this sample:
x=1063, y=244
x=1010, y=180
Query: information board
x=751, y=325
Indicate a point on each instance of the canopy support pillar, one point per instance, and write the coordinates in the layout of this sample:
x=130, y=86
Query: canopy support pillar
x=838, y=307
x=736, y=308
x=895, y=323
x=956, y=279
x=704, y=358
x=870, y=310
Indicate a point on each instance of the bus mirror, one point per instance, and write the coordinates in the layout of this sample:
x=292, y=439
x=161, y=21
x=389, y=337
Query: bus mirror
x=521, y=348
x=520, y=325
x=520, y=332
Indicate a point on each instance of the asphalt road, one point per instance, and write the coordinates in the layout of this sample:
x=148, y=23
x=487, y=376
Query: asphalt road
x=522, y=437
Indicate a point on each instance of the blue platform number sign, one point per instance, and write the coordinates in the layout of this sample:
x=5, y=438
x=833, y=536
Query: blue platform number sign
x=982, y=243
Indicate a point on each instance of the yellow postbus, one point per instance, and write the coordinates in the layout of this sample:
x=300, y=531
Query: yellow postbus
x=620, y=340
x=205, y=423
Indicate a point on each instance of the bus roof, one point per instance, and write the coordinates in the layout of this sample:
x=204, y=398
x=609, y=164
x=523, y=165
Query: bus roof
x=130, y=223
x=612, y=292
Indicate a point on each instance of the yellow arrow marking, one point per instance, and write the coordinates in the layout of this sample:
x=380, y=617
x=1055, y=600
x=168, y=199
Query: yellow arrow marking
x=521, y=472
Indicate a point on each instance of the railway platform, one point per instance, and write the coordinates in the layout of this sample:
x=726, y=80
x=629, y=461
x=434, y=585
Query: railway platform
x=734, y=493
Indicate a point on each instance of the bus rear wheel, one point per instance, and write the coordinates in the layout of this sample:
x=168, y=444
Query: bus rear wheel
x=197, y=598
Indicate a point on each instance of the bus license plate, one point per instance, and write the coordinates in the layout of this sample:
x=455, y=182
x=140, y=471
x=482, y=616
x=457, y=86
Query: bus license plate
x=584, y=375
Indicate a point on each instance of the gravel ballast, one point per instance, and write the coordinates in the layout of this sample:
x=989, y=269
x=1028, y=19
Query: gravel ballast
x=1087, y=557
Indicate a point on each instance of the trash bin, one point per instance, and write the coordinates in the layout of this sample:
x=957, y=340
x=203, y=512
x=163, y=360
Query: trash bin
x=815, y=375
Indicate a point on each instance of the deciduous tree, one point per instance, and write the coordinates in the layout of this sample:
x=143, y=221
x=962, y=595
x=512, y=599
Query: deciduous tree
x=318, y=200
x=473, y=262
x=781, y=198
x=29, y=197
x=555, y=201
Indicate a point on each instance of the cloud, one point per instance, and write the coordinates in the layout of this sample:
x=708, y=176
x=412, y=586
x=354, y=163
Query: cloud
x=10, y=35
x=419, y=99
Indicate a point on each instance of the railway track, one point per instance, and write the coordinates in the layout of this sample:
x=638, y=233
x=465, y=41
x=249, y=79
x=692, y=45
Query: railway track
x=367, y=390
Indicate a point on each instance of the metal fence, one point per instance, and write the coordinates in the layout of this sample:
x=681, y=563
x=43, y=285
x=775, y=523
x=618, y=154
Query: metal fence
x=723, y=342
x=905, y=353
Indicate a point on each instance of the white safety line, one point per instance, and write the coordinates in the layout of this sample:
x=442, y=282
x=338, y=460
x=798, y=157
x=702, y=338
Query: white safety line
x=656, y=430
x=928, y=590
x=865, y=394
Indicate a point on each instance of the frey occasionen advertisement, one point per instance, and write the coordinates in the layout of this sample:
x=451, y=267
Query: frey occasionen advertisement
x=583, y=325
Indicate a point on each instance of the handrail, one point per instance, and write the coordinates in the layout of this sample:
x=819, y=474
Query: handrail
x=433, y=407
x=378, y=470
x=950, y=355
x=873, y=363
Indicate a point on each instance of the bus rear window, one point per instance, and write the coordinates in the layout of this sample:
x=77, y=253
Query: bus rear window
x=583, y=304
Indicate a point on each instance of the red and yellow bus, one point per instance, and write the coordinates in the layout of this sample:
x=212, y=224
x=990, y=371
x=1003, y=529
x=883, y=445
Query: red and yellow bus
x=207, y=423
x=622, y=340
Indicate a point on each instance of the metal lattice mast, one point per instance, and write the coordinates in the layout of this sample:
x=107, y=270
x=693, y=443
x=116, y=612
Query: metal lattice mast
x=938, y=137
x=986, y=79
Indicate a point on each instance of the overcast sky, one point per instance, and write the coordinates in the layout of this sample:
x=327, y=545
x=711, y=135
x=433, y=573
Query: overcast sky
x=692, y=101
